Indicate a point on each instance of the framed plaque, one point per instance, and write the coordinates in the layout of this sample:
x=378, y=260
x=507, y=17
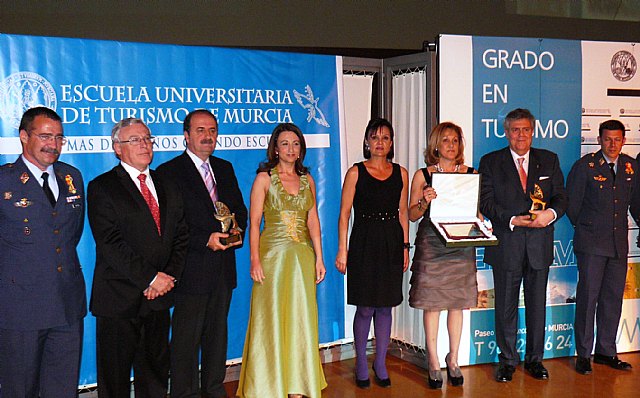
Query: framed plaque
x=454, y=213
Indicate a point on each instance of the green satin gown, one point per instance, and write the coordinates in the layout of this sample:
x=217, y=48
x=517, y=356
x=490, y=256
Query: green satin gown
x=281, y=354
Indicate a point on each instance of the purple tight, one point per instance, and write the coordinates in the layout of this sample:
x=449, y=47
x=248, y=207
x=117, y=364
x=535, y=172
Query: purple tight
x=382, y=330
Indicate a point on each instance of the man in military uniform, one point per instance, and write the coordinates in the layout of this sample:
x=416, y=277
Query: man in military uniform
x=42, y=290
x=600, y=187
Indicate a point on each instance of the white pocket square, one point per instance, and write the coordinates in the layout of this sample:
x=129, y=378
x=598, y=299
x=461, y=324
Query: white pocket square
x=543, y=178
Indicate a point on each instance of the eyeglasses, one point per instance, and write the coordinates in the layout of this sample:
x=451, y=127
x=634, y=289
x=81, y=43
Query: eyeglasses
x=521, y=130
x=138, y=140
x=59, y=139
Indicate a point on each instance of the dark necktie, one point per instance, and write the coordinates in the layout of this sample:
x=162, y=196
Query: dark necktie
x=151, y=201
x=47, y=191
x=613, y=170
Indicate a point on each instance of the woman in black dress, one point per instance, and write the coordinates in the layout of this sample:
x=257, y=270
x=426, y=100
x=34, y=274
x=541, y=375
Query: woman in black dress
x=442, y=278
x=377, y=252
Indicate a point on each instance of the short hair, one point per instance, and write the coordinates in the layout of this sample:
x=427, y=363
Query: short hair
x=272, y=157
x=29, y=116
x=610, y=125
x=517, y=114
x=186, y=124
x=115, y=132
x=373, y=126
x=431, y=155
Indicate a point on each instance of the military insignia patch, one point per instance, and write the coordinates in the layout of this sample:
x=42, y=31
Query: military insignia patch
x=601, y=161
x=600, y=178
x=592, y=165
x=8, y=195
x=24, y=177
x=24, y=202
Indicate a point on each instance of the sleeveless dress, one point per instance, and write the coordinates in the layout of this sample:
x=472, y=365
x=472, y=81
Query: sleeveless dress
x=281, y=354
x=442, y=278
x=376, y=251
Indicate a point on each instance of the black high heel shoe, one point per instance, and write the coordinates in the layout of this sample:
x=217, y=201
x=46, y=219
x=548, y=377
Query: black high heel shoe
x=455, y=377
x=381, y=382
x=364, y=384
x=435, y=379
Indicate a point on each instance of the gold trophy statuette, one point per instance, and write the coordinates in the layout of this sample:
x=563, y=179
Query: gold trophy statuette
x=536, y=197
x=229, y=224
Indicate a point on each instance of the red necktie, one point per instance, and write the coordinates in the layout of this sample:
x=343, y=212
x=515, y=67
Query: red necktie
x=151, y=201
x=523, y=174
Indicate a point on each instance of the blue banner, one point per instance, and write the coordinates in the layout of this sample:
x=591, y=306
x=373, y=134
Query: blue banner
x=544, y=76
x=94, y=84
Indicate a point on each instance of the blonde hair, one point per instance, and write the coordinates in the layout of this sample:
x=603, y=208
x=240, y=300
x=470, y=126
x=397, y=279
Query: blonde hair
x=431, y=155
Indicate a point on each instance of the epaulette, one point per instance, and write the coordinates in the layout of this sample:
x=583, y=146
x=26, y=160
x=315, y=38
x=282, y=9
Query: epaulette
x=7, y=165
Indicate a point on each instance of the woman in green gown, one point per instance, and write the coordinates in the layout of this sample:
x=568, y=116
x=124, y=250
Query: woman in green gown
x=281, y=356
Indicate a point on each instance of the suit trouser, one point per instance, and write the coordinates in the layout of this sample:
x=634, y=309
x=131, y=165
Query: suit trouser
x=507, y=290
x=199, y=324
x=41, y=363
x=600, y=290
x=141, y=342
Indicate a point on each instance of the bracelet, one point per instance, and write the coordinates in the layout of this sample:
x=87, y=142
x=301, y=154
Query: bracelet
x=407, y=245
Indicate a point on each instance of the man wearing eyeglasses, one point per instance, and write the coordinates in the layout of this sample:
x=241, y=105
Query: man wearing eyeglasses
x=138, y=225
x=199, y=324
x=511, y=178
x=42, y=289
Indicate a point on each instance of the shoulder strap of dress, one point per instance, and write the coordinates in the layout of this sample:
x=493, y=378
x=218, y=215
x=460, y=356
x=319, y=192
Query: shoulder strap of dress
x=470, y=170
x=427, y=175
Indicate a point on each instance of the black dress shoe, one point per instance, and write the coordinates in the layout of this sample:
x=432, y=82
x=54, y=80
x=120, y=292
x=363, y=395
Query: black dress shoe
x=583, y=365
x=435, y=379
x=613, y=361
x=537, y=370
x=381, y=382
x=505, y=373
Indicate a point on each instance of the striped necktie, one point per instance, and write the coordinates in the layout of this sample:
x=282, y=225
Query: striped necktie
x=523, y=174
x=209, y=182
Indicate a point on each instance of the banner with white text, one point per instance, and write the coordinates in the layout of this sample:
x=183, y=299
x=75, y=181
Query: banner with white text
x=94, y=84
x=484, y=78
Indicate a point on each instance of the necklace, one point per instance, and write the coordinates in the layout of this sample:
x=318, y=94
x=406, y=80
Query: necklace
x=439, y=168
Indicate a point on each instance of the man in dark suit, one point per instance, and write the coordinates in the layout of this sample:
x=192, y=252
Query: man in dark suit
x=600, y=187
x=509, y=177
x=204, y=294
x=137, y=221
x=42, y=292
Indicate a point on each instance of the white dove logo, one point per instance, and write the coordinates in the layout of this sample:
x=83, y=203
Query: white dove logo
x=310, y=103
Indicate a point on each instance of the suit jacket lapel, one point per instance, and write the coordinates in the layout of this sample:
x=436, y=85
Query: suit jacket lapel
x=130, y=186
x=534, y=171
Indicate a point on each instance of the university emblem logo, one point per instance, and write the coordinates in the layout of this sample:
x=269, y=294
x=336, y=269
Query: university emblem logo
x=21, y=91
x=623, y=66
x=309, y=102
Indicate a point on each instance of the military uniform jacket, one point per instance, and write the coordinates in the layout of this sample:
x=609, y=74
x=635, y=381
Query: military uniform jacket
x=598, y=204
x=41, y=281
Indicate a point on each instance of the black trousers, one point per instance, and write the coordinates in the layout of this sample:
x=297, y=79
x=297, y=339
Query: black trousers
x=141, y=342
x=199, y=325
x=600, y=290
x=507, y=290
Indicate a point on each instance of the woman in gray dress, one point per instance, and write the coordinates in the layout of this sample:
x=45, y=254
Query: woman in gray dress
x=442, y=278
